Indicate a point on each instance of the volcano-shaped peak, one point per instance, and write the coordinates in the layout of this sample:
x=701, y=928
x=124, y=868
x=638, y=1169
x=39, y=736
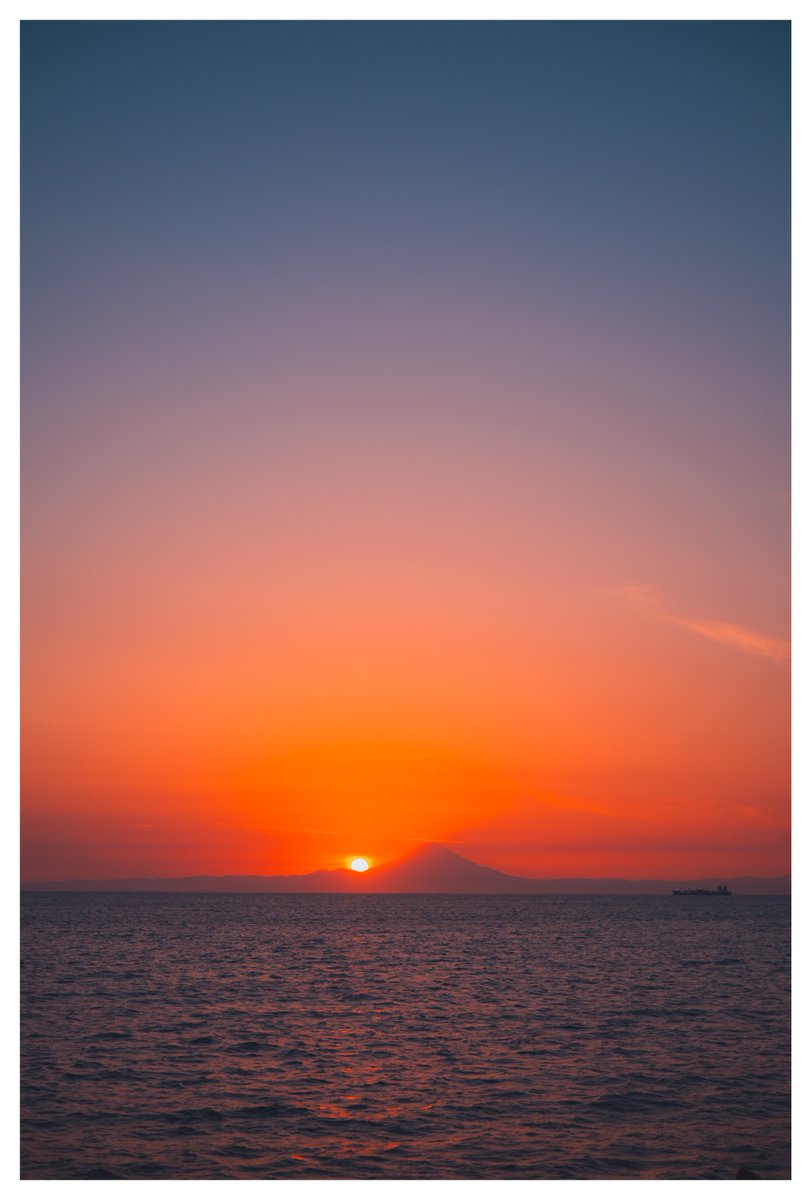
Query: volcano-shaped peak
x=433, y=867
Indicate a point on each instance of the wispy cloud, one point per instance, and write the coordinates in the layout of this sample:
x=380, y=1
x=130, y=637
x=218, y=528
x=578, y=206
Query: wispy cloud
x=747, y=640
x=641, y=594
x=738, y=637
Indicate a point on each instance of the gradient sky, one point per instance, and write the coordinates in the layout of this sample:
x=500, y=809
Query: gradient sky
x=405, y=446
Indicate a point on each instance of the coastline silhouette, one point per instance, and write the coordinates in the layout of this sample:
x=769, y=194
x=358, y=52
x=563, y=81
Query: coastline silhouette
x=430, y=868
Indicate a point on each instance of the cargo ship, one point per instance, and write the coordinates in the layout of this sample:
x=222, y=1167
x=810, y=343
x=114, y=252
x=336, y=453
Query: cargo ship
x=721, y=890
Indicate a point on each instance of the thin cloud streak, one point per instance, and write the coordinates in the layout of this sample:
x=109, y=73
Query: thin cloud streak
x=747, y=640
x=738, y=637
x=642, y=595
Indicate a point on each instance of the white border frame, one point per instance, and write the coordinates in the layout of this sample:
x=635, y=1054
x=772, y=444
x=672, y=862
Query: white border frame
x=9, y=535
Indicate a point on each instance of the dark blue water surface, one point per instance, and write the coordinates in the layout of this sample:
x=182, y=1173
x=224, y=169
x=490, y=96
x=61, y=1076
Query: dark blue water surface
x=270, y=1036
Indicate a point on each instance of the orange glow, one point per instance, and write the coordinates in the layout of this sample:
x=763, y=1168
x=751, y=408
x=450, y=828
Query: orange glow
x=380, y=485
x=258, y=679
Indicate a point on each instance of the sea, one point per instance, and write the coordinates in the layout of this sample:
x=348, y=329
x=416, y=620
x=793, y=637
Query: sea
x=193, y=1036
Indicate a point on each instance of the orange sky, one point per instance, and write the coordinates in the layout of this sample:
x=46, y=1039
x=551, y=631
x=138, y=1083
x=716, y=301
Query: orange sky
x=402, y=468
x=336, y=661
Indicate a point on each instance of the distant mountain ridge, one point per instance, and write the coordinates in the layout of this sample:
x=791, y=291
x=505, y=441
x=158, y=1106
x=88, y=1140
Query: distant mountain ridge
x=429, y=869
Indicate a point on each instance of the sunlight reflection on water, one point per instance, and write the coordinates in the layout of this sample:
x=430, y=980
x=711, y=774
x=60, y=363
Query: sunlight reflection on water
x=251, y=1036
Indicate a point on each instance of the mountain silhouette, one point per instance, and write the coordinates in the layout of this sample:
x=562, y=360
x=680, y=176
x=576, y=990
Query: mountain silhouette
x=429, y=868
x=432, y=867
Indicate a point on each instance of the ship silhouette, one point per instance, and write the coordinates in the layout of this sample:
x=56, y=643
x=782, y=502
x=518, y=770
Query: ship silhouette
x=721, y=890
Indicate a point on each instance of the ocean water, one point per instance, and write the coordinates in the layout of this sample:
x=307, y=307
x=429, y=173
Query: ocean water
x=398, y=1037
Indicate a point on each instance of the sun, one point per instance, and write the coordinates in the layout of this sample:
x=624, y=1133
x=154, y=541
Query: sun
x=359, y=864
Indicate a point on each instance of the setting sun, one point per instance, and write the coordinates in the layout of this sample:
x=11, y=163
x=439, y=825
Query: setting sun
x=359, y=864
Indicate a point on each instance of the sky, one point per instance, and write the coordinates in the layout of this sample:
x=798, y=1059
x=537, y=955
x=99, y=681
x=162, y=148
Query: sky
x=405, y=446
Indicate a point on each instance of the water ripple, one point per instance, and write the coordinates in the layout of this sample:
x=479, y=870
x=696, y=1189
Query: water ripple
x=449, y=1037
